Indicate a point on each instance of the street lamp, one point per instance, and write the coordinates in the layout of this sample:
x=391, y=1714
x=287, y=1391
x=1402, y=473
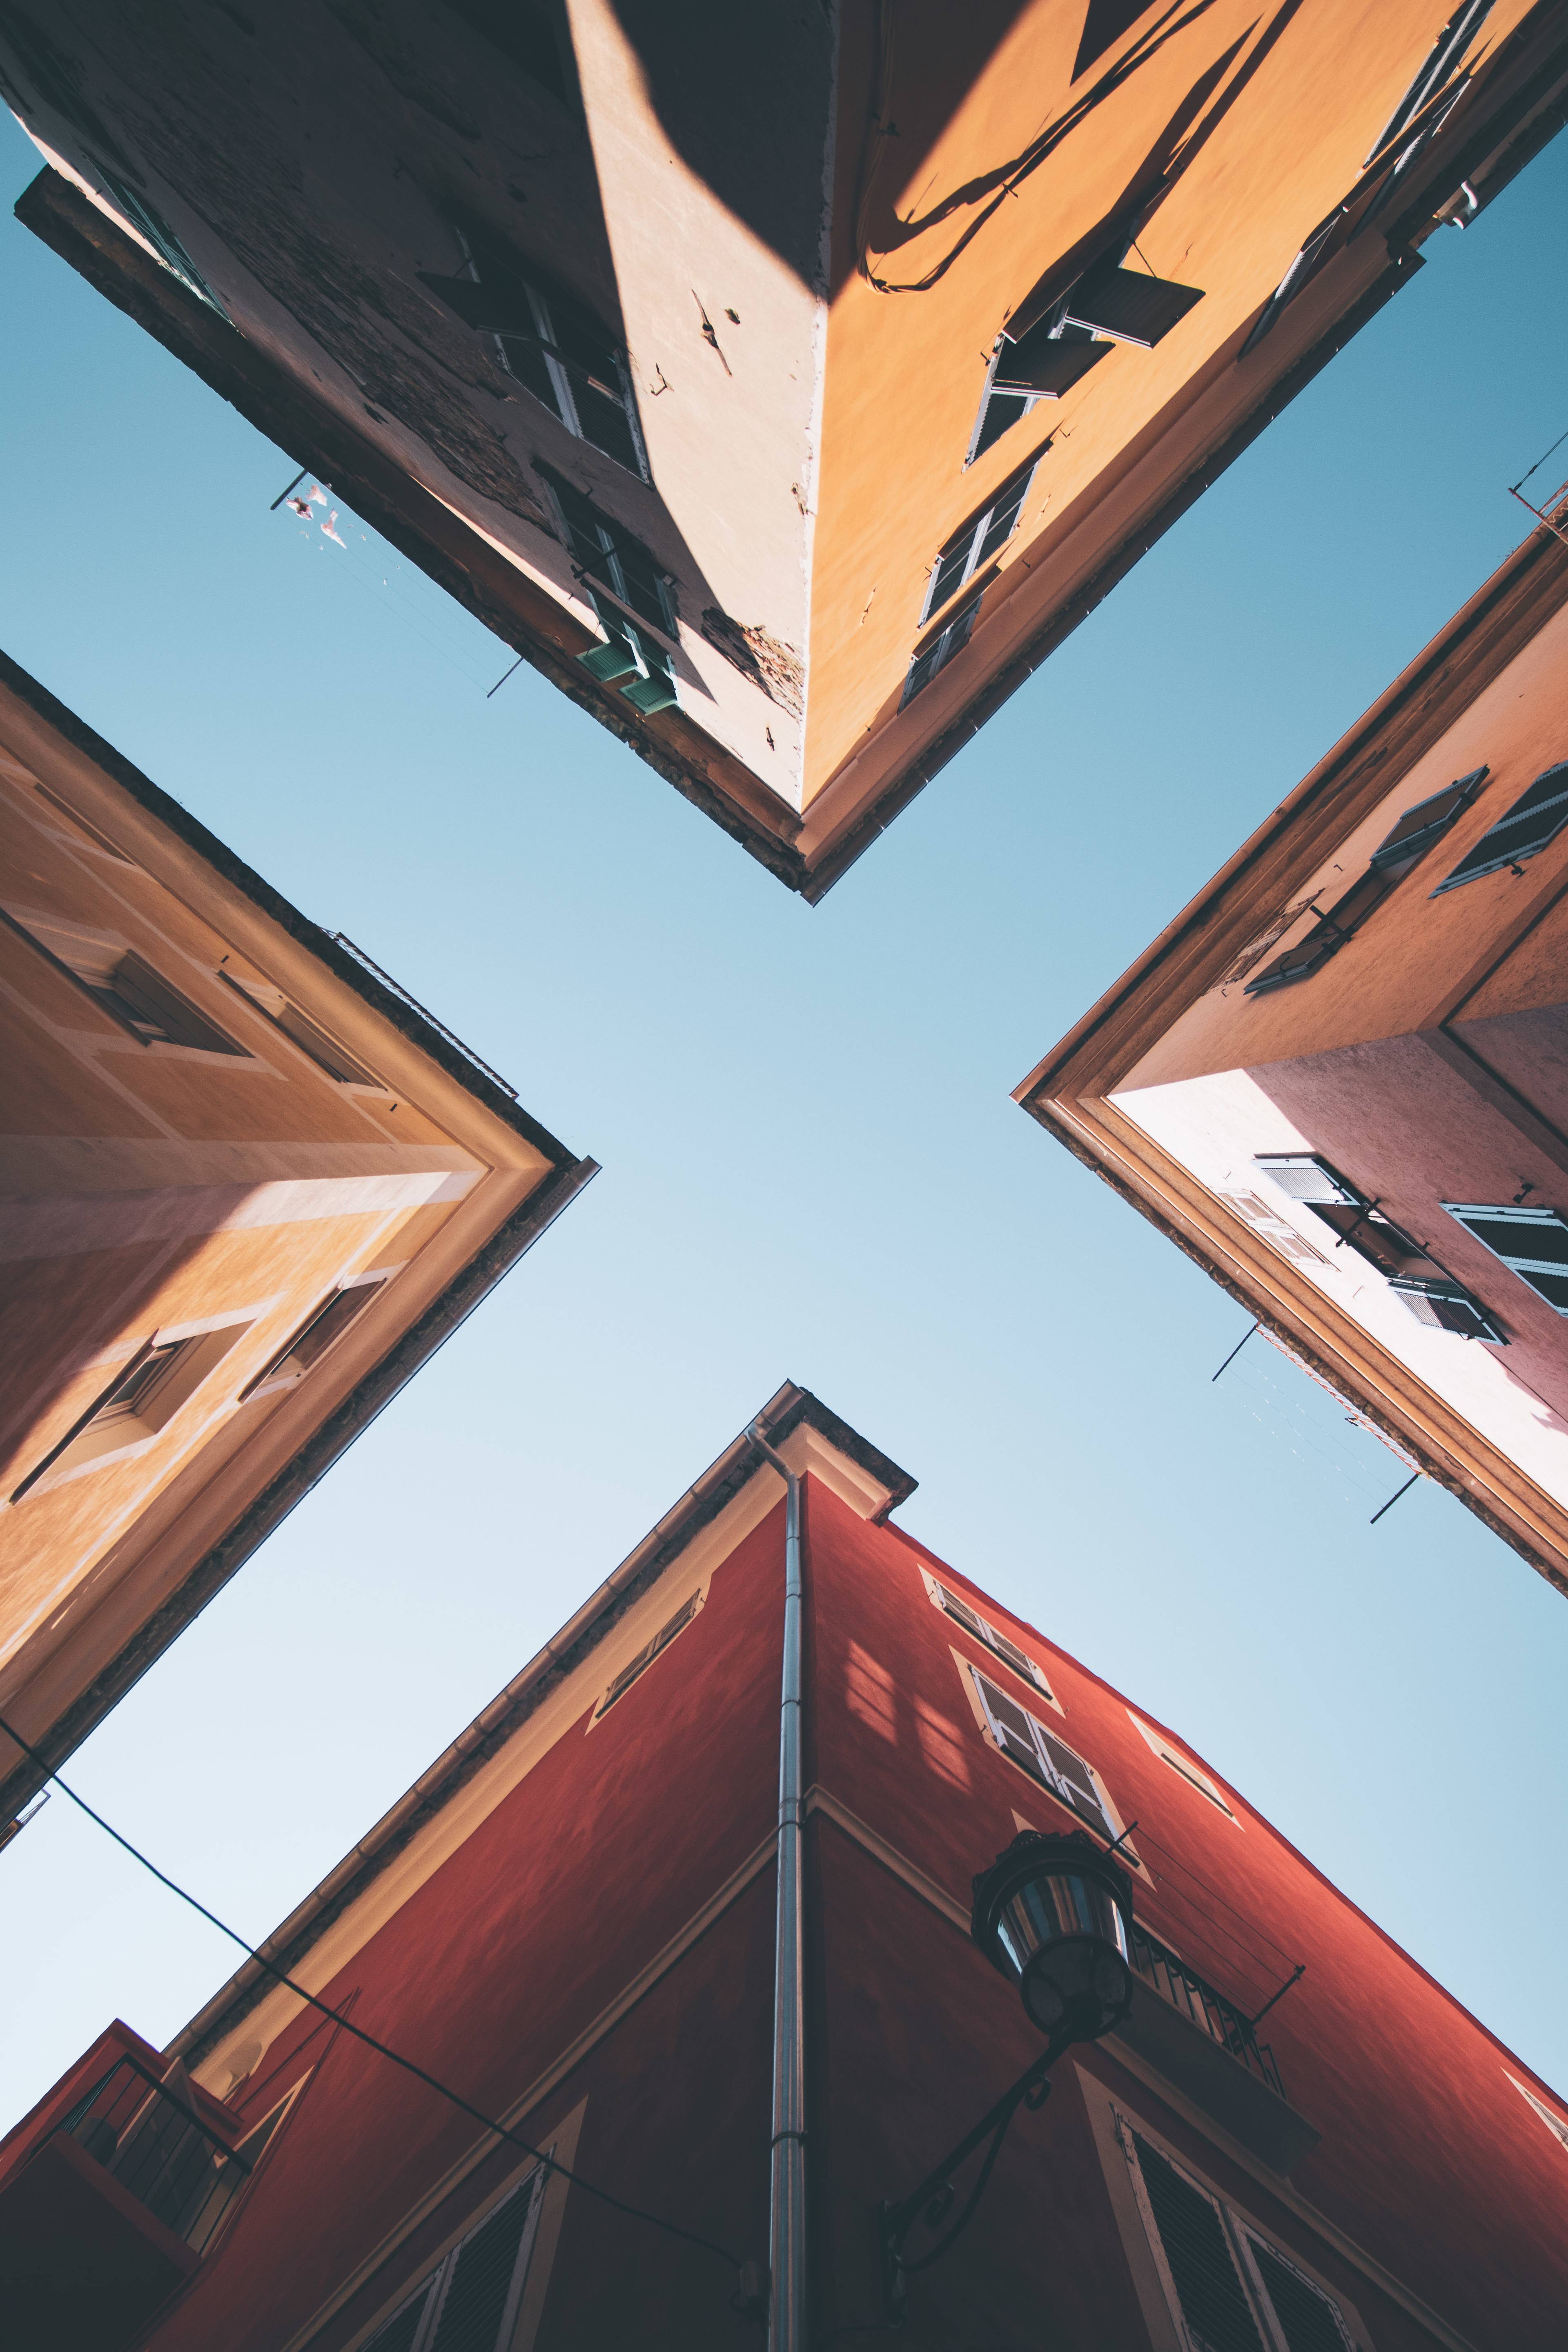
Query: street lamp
x=1054, y=1914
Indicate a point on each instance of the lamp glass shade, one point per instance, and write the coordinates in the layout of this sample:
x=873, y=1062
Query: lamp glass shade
x=1053, y=1914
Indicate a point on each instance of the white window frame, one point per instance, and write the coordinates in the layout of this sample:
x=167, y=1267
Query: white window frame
x=1179, y=1761
x=949, y=641
x=268, y=1383
x=1001, y=1645
x=1240, y=2235
x=1109, y=1824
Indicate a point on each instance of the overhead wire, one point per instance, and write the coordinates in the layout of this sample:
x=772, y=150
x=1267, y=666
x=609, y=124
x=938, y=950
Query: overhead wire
x=382, y=2049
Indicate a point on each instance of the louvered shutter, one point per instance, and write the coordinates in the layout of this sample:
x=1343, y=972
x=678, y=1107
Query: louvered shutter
x=1306, y=1177
x=1306, y=2317
x=1532, y=1242
x=1013, y=1727
x=961, y=1610
x=1012, y=1653
x=1536, y=818
x=484, y=2278
x=1203, y=2269
x=1420, y=826
x=1128, y=306
x=1074, y=1780
x=402, y=2329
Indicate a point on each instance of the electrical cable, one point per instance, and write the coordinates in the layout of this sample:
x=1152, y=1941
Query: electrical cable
x=673, y=2229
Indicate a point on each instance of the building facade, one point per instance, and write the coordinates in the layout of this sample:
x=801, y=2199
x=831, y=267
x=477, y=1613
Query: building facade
x=1295, y=2141
x=248, y=1188
x=1340, y=1078
x=785, y=383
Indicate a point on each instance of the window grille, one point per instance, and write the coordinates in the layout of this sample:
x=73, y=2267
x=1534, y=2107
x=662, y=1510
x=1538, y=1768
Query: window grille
x=964, y=1613
x=1533, y=1242
x=613, y=556
x=469, y=2302
x=1229, y=2289
x=936, y=656
x=1394, y=857
x=1046, y=1759
x=554, y=347
x=971, y=549
x=646, y=1656
x=1536, y=818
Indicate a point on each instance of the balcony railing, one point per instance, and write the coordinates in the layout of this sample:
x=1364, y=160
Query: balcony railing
x=159, y=2150
x=1219, y=2018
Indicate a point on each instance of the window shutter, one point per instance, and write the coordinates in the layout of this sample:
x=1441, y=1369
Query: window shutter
x=1192, y=2236
x=1128, y=306
x=1307, y=2319
x=1532, y=1242
x=1307, y=1178
x=1042, y=365
x=1420, y=826
x=1536, y=818
x=961, y=1610
x=1075, y=1781
x=484, y=2281
x=1013, y=1727
x=402, y=2329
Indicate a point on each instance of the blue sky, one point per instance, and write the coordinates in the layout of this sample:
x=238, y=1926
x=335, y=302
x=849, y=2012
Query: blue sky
x=811, y=1166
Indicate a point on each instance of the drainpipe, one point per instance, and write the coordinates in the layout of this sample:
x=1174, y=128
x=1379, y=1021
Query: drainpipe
x=787, y=2219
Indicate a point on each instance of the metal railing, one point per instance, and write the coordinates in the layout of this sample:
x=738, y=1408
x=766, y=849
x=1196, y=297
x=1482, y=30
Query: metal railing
x=1219, y=2019
x=158, y=2149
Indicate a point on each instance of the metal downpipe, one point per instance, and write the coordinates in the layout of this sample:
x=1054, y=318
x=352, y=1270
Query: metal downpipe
x=786, y=2217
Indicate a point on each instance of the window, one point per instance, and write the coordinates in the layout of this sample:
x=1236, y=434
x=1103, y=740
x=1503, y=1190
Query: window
x=1229, y=2289
x=155, y=230
x=940, y=651
x=321, y=1330
x=1191, y=1773
x=1447, y=53
x=301, y=1030
x=964, y=1613
x=646, y=1656
x=971, y=549
x=1394, y=857
x=469, y=2302
x=556, y=349
x=1356, y=1222
x=612, y=555
x=125, y=987
x=1532, y=1242
x=1554, y=2122
x=638, y=664
x=1417, y=1279
x=79, y=823
x=142, y=1398
x=1537, y=817
x=1049, y=346
x=1266, y=1220
x=1045, y=1758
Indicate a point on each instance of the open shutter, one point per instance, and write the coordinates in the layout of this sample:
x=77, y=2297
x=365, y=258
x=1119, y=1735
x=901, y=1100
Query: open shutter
x=1536, y=818
x=1042, y=365
x=1129, y=306
x=1420, y=826
x=1308, y=2319
x=1532, y=1242
x=1075, y=1781
x=1189, y=2231
x=484, y=2278
x=1014, y=1730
